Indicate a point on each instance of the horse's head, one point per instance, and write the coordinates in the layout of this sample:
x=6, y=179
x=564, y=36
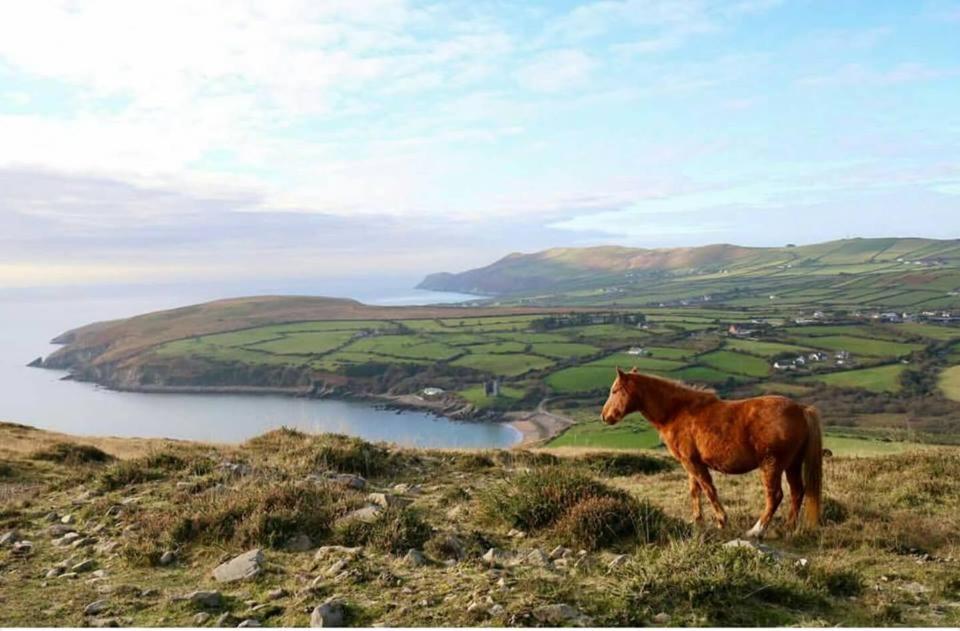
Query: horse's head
x=620, y=402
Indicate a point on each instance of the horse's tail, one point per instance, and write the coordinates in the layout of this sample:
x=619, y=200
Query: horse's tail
x=812, y=468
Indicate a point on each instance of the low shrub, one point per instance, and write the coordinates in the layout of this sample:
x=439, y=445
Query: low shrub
x=257, y=513
x=575, y=509
x=840, y=583
x=622, y=464
x=396, y=530
x=833, y=512
x=6, y=470
x=153, y=466
x=346, y=454
x=72, y=454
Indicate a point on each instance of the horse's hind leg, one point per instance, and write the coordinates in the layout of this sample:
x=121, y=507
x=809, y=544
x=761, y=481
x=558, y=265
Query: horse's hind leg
x=771, y=474
x=795, y=482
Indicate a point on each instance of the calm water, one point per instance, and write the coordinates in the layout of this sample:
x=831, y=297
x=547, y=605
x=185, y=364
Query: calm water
x=28, y=320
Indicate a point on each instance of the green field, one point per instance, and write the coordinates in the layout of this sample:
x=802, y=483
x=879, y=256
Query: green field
x=764, y=349
x=504, y=365
x=859, y=345
x=738, y=363
x=950, y=383
x=879, y=379
x=475, y=395
x=564, y=350
x=632, y=433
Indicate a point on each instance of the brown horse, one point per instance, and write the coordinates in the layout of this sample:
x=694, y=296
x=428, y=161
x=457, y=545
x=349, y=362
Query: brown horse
x=703, y=432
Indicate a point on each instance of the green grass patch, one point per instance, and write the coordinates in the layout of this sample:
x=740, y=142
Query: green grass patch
x=633, y=432
x=764, y=349
x=503, y=365
x=703, y=374
x=860, y=345
x=878, y=379
x=562, y=350
x=497, y=347
x=508, y=397
x=949, y=383
x=739, y=363
x=305, y=343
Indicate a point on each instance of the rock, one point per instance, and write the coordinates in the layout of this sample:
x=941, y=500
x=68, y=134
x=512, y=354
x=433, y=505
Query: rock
x=558, y=553
x=55, y=571
x=67, y=539
x=59, y=530
x=67, y=520
x=84, y=566
x=617, y=561
x=247, y=565
x=51, y=517
x=404, y=488
x=759, y=548
x=22, y=548
x=299, y=543
x=249, y=622
x=69, y=575
x=83, y=542
x=558, y=615
x=103, y=623
x=201, y=619
x=210, y=599
x=350, y=481
x=236, y=469
x=276, y=594
x=330, y=613
x=414, y=558
x=537, y=557
x=517, y=534
x=325, y=552
x=801, y=563
x=95, y=607
x=107, y=547
x=386, y=500
x=367, y=514
x=662, y=618
x=150, y=592
x=337, y=567
x=167, y=558
x=496, y=610
x=495, y=557
x=226, y=620
x=99, y=574
x=9, y=538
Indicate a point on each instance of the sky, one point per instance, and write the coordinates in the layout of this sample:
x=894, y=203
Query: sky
x=147, y=142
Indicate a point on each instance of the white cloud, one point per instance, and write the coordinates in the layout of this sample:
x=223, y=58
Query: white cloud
x=557, y=70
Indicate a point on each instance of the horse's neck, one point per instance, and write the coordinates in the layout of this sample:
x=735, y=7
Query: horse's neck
x=659, y=401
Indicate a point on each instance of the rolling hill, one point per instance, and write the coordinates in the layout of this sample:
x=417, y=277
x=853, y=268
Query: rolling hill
x=885, y=272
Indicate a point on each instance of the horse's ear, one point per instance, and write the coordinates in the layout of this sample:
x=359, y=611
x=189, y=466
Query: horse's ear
x=634, y=370
x=620, y=373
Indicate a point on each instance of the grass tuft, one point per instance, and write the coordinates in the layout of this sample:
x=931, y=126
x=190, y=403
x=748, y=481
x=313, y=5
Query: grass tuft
x=622, y=464
x=396, y=530
x=72, y=454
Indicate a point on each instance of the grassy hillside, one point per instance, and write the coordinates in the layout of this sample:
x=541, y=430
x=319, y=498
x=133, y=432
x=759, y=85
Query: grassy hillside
x=579, y=537
x=888, y=273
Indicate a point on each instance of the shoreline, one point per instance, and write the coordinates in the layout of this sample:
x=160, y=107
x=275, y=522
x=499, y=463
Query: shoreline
x=535, y=427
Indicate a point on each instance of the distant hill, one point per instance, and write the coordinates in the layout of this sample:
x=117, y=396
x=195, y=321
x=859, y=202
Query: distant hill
x=717, y=268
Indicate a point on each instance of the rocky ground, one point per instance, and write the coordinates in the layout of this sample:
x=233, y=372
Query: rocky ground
x=295, y=530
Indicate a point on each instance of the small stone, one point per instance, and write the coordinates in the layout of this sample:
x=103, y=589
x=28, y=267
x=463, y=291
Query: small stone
x=67, y=520
x=495, y=557
x=51, y=517
x=537, y=557
x=204, y=598
x=367, y=514
x=617, y=561
x=55, y=571
x=350, y=481
x=167, y=558
x=299, y=543
x=201, y=619
x=914, y=587
x=557, y=615
x=22, y=548
x=802, y=563
x=517, y=534
x=662, y=618
x=95, y=607
x=496, y=610
x=330, y=613
x=759, y=548
x=386, y=500
x=99, y=574
x=276, y=594
x=558, y=553
x=249, y=622
x=324, y=552
x=242, y=567
x=59, y=530
x=103, y=623
x=226, y=620
x=9, y=538
x=69, y=575
x=415, y=558
x=150, y=592
x=84, y=566
x=83, y=542
x=337, y=567
x=68, y=539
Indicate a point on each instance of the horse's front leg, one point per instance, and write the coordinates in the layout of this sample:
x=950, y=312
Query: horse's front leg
x=695, y=499
x=704, y=479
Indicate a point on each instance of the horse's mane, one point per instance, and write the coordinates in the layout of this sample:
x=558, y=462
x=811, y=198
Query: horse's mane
x=682, y=390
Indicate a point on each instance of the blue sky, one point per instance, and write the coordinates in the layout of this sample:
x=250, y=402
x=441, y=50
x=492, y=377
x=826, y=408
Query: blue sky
x=169, y=141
